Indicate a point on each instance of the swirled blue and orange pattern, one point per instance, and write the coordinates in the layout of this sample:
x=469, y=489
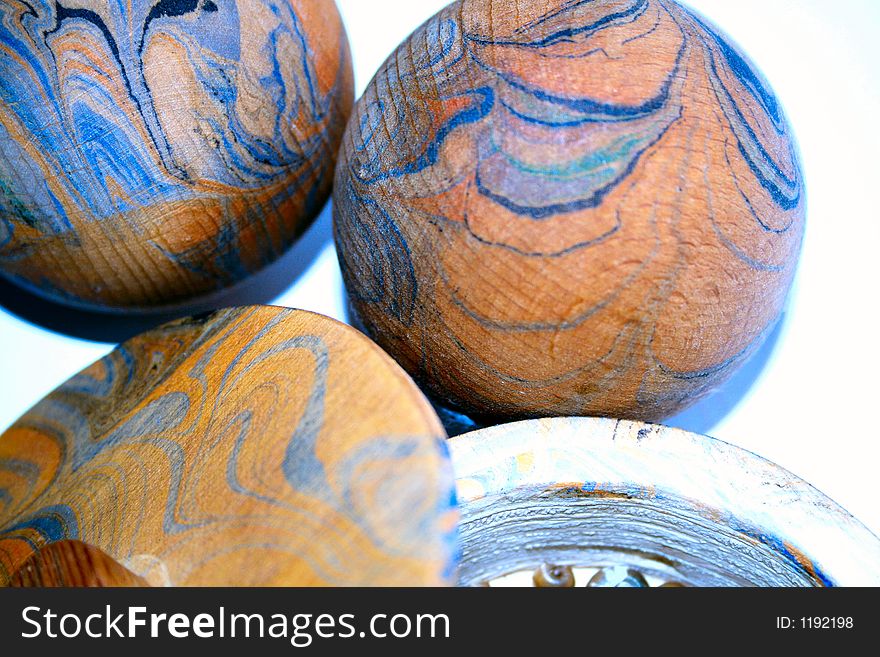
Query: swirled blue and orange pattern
x=551, y=207
x=156, y=150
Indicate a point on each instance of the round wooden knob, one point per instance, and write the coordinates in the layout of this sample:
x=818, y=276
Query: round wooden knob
x=632, y=504
x=154, y=152
x=568, y=208
x=73, y=563
x=252, y=446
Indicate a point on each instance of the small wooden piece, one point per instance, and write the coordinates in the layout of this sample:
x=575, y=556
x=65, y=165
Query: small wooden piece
x=73, y=563
x=568, y=208
x=157, y=150
x=252, y=446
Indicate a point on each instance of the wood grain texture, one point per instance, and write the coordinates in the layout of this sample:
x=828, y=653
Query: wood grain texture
x=154, y=151
x=676, y=506
x=568, y=208
x=252, y=446
x=73, y=564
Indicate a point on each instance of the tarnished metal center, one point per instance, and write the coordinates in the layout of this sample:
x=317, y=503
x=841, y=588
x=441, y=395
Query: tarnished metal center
x=549, y=575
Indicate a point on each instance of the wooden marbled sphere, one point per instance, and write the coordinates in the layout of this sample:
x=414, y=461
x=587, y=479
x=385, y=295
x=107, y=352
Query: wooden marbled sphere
x=562, y=208
x=252, y=446
x=158, y=150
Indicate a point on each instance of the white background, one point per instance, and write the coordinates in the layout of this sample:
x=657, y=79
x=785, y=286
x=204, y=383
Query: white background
x=805, y=400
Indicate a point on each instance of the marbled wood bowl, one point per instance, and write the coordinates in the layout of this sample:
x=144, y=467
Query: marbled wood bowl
x=675, y=506
x=250, y=446
x=153, y=152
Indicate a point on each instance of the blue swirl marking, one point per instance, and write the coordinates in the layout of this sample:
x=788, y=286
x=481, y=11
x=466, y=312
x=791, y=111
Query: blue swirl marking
x=783, y=189
x=439, y=47
x=384, y=267
x=51, y=523
x=157, y=417
x=482, y=101
x=565, y=33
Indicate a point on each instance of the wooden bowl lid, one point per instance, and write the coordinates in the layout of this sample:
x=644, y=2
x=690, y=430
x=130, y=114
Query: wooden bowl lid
x=251, y=446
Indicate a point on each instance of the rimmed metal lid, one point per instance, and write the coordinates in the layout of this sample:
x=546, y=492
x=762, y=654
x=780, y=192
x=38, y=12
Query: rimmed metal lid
x=677, y=506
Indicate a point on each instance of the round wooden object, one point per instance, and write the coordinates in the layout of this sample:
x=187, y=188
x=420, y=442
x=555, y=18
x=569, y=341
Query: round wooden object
x=253, y=446
x=154, y=151
x=673, y=507
x=73, y=563
x=568, y=208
